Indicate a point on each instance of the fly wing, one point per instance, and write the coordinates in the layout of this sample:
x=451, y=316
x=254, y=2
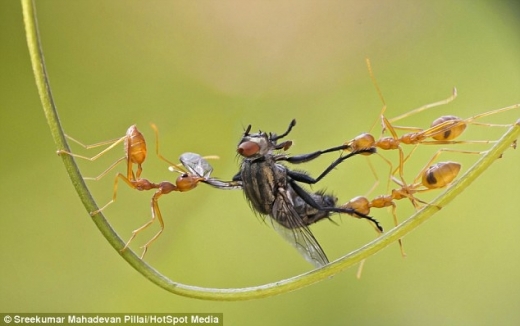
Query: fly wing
x=290, y=226
x=196, y=164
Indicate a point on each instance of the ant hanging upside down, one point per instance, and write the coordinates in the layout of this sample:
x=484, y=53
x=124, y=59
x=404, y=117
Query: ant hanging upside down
x=195, y=170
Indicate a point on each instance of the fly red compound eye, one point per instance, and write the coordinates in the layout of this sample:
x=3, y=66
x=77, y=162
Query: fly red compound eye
x=248, y=148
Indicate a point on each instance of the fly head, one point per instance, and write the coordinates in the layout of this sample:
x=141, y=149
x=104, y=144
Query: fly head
x=260, y=144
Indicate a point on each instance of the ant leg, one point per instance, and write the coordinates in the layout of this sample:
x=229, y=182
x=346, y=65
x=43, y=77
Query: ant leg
x=423, y=108
x=110, y=168
x=135, y=149
x=118, y=176
x=177, y=167
x=379, y=93
x=376, y=177
x=436, y=142
x=163, y=188
x=147, y=224
x=396, y=223
x=399, y=241
x=134, y=233
x=113, y=142
x=387, y=161
x=388, y=125
x=156, y=212
x=507, y=108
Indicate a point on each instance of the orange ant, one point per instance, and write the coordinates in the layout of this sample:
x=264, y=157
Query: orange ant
x=443, y=130
x=197, y=169
x=432, y=177
x=446, y=129
x=135, y=152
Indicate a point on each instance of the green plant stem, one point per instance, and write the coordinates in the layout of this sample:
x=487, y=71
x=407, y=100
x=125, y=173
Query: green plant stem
x=297, y=282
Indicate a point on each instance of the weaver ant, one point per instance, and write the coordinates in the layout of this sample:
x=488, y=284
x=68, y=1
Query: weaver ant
x=443, y=130
x=196, y=169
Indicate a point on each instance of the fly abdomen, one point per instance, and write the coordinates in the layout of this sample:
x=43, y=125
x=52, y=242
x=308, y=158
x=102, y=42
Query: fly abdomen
x=309, y=214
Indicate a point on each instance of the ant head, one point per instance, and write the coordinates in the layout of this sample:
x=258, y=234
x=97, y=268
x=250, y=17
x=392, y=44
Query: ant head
x=258, y=145
x=186, y=182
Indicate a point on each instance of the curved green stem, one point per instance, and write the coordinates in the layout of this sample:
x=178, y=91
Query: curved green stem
x=254, y=292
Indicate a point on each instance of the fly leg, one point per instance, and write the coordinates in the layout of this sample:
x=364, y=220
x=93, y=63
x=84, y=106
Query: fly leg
x=297, y=159
x=224, y=185
x=236, y=183
x=302, y=177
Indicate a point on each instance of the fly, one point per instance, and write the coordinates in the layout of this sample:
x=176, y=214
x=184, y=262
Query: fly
x=273, y=190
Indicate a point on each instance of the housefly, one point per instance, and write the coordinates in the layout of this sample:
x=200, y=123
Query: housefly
x=273, y=190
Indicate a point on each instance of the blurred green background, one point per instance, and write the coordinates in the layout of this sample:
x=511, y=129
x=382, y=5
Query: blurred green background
x=202, y=71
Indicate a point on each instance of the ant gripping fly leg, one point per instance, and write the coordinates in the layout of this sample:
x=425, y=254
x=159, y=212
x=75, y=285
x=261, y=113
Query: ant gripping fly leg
x=194, y=169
